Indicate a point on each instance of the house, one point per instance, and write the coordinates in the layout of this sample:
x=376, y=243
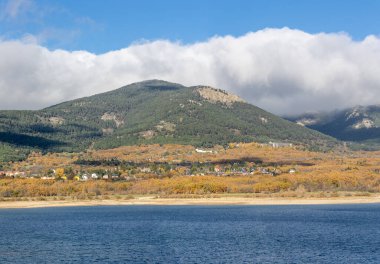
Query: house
x=21, y=174
x=9, y=173
x=47, y=178
x=202, y=150
x=218, y=168
x=280, y=144
x=145, y=170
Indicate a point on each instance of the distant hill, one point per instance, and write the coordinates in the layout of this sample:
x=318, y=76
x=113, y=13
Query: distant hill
x=359, y=124
x=148, y=112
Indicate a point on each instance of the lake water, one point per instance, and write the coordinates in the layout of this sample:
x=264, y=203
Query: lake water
x=192, y=234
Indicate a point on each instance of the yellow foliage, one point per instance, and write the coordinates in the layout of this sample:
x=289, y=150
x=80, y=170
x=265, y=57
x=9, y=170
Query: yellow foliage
x=60, y=173
x=349, y=171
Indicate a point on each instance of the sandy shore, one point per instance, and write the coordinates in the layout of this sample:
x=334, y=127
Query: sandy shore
x=151, y=200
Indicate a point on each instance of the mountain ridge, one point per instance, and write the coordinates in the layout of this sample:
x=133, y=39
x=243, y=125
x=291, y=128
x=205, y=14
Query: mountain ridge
x=358, y=124
x=148, y=112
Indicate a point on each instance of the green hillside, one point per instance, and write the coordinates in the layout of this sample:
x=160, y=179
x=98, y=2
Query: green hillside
x=148, y=112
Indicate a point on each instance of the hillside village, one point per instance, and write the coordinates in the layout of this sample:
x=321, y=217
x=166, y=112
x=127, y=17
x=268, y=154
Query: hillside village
x=171, y=169
x=114, y=169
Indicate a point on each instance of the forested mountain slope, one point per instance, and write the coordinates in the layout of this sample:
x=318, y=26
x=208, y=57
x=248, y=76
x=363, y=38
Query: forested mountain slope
x=148, y=112
x=359, y=124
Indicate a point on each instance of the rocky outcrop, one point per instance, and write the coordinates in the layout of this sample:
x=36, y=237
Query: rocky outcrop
x=218, y=96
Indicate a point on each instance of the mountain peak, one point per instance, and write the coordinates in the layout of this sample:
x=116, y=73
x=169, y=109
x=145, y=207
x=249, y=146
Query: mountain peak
x=155, y=82
x=152, y=111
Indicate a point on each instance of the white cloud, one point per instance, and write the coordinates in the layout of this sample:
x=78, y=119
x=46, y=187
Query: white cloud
x=281, y=70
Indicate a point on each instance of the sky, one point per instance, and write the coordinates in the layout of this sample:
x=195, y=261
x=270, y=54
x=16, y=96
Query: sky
x=285, y=56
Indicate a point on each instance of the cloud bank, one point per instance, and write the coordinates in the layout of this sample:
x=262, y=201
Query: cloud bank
x=284, y=71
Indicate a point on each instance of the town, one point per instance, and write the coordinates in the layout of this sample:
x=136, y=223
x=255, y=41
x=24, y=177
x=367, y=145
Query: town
x=131, y=171
x=200, y=162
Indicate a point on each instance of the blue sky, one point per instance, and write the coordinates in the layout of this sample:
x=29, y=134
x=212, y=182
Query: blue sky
x=99, y=26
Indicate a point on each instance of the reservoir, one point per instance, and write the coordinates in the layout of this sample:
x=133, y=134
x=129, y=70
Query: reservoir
x=192, y=234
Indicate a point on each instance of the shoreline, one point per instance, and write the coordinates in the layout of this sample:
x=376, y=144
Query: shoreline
x=152, y=200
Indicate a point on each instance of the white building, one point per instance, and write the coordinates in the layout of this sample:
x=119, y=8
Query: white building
x=202, y=150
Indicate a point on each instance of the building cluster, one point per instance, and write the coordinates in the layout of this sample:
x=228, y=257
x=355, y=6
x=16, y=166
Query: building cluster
x=133, y=172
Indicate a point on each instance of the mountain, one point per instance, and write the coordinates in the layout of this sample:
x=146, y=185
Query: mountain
x=147, y=112
x=359, y=124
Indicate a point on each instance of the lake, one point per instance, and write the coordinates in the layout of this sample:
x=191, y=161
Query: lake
x=192, y=234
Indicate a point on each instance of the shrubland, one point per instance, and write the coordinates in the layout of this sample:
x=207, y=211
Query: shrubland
x=314, y=173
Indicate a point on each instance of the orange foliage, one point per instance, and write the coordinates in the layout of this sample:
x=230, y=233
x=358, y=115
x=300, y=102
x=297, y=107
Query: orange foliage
x=314, y=171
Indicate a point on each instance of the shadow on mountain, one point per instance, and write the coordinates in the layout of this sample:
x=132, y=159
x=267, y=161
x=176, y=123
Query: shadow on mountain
x=77, y=128
x=355, y=135
x=29, y=141
x=40, y=128
x=241, y=161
